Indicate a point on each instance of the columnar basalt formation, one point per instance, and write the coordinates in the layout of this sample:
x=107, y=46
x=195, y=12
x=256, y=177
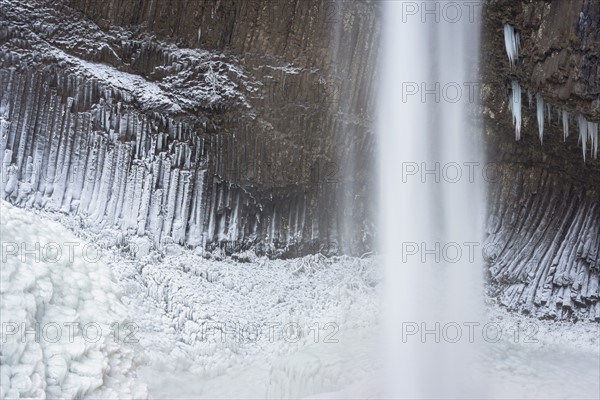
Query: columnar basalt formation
x=200, y=123
x=248, y=124
x=544, y=205
x=544, y=243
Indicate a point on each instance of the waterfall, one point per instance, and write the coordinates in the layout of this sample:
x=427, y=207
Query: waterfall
x=431, y=197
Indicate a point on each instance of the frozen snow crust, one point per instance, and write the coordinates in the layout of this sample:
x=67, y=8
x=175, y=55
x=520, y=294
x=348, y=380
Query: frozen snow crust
x=59, y=317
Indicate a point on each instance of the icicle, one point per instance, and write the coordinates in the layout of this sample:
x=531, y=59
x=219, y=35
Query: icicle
x=583, y=127
x=530, y=97
x=511, y=41
x=565, y=121
x=540, y=115
x=515, y=105
x=593, y=136
x=549, y=113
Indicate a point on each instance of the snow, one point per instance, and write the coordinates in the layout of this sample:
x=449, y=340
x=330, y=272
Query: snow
x=174, y=301
x=146, y=92
x=562, y=360
x=286, y=69
x=511, y=42
x=72, y=303
x=180, y=299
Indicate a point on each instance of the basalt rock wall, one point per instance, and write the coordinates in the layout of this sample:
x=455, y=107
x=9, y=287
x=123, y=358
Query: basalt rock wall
x=544, y=203
x=205, y=124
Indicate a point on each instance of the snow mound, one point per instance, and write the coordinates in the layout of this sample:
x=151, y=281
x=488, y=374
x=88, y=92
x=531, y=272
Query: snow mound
x=64, y=327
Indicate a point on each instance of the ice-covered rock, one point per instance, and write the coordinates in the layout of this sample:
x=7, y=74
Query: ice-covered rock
x=61, y=316
x=140, y=246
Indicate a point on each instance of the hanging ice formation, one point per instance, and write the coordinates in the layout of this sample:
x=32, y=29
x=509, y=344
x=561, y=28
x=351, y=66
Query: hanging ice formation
x=588, y=131
x=565, y=122
x=593, y=136
x=582, y=132
x=540, y=115
x=516, y=108
x=511, y=41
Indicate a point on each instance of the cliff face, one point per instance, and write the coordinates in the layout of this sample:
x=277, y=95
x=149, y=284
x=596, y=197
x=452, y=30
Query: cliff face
x=201, y=123
x=247, y=124
x=544, y=203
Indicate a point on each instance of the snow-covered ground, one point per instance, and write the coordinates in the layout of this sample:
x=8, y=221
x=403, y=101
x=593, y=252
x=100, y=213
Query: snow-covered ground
x=193, y=326
x=274, y=328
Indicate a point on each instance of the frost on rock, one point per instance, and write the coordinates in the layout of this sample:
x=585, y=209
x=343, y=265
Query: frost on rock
x=59, y=310
x=156, y=140
x=511, y=42
x=515, y=105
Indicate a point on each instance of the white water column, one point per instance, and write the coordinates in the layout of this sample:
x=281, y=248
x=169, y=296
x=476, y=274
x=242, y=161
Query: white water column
x=431, y=199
